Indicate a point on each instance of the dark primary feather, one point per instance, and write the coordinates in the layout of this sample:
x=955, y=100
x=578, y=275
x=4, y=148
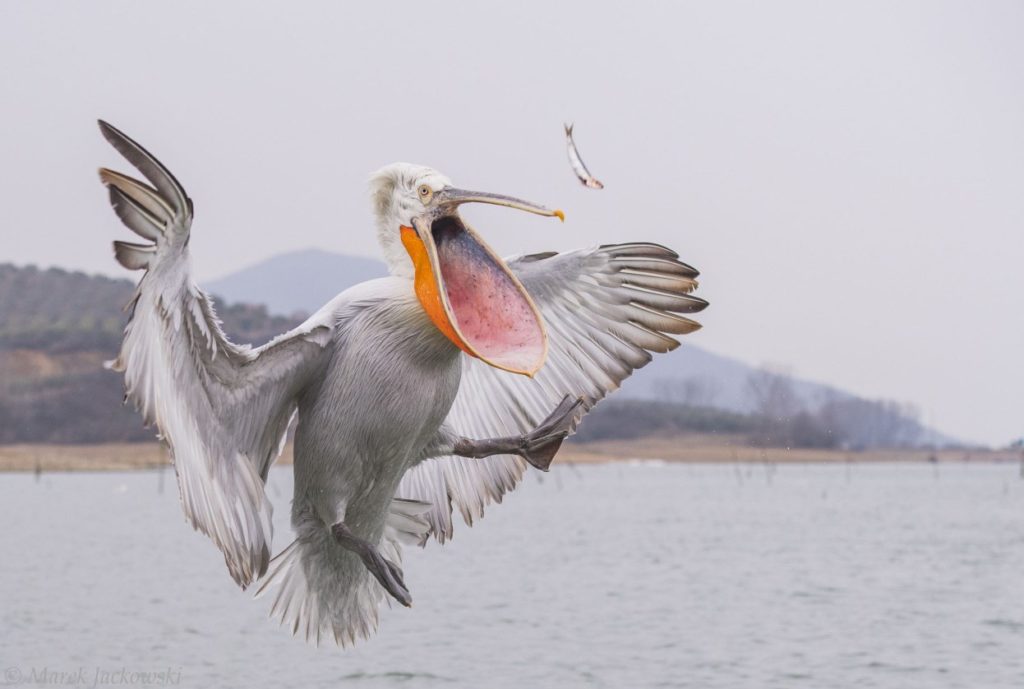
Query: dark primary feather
x=133, y=256
x=161, y=178
x=135, y=216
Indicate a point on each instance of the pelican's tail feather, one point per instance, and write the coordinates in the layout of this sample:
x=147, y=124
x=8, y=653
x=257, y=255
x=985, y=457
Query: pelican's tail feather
x=325, y=591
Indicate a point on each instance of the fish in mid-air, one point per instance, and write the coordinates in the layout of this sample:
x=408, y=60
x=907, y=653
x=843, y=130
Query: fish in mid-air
x=582, y=173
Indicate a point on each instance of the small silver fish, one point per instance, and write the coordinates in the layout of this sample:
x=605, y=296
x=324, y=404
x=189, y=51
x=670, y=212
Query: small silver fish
x=586, y=179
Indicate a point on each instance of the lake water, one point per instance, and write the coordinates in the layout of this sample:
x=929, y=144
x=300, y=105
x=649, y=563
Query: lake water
x=621, y=575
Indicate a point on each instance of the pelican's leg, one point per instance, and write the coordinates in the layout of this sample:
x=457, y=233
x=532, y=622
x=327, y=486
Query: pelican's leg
x=384, y=570
x=538, y=447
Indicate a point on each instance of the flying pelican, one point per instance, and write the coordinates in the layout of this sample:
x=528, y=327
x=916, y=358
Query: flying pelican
x=424, y=391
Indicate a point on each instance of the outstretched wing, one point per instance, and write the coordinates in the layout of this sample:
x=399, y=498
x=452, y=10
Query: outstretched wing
x=222, y=409
x=606, y=310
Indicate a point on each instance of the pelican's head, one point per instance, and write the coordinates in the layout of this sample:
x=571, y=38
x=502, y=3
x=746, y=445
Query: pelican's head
x=466, y=289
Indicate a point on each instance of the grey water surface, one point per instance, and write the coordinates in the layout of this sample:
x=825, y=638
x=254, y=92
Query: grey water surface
x=619, y=575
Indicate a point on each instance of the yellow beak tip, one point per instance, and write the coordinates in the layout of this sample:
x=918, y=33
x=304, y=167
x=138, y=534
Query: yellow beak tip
x=560, y=215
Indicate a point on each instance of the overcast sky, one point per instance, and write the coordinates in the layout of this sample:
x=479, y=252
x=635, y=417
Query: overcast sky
x=850, y=180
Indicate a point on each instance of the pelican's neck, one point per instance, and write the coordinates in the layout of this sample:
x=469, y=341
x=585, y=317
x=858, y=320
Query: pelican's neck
x=389, y=235
x=387, y=215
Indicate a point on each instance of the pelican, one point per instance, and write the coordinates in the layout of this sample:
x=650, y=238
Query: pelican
x=417, y=394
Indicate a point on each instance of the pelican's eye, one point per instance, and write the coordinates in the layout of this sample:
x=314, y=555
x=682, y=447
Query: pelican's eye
x=426, y=193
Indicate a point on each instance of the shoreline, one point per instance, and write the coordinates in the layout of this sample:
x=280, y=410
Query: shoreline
x=697, y=449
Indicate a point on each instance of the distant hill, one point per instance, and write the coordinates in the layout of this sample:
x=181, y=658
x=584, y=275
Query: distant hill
x=691, y=377
x=57, y=310
x=297, y=281
x=696, y=376
x=56, y=330
x=57, y=327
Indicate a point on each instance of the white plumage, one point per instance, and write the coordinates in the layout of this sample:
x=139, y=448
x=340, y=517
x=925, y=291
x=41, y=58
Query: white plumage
x=403, y=414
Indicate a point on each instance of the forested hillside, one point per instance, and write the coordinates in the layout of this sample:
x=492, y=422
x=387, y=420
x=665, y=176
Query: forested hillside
x=55, y=310
x=56, y=330
x=58, y=327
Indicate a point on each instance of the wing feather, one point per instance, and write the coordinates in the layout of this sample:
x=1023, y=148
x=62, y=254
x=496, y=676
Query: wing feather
x=221, y=409
x=607, y=311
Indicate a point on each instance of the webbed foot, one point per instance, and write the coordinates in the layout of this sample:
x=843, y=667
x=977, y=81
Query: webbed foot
x=540, y=445
x=383, y=570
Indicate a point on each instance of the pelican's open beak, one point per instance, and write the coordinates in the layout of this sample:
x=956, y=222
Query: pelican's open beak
x=468, y=291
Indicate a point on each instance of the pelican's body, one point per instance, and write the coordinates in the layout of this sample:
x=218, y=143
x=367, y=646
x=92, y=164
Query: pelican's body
x=354, y=444
x=388, y=344
x=428, y=390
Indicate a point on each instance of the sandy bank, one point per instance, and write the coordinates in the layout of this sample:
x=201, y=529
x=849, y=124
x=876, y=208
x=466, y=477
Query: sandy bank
x=124, y=456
